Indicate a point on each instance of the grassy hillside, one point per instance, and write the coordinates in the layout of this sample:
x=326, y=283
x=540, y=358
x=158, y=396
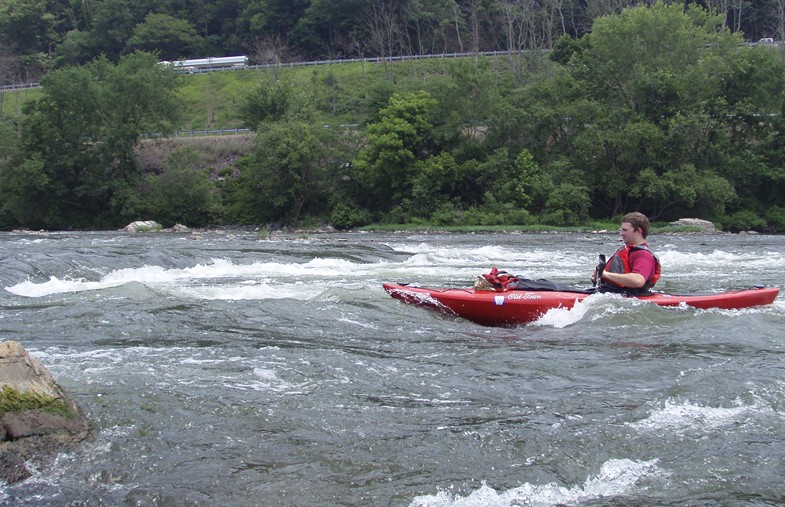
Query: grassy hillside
x=209, y=99
x=11, y=102
x=345, y=93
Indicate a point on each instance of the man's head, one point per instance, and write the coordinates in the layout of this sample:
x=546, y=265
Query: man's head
x=633, y=224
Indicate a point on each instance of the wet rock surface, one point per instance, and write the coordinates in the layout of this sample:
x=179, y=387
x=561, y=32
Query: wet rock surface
x=38, y=419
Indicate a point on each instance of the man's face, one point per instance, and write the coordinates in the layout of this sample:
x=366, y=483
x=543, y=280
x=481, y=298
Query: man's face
x=628, y=233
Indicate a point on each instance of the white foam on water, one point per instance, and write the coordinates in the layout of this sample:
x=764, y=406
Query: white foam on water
x=173, y=368
x=357, y=322
x=616, y=477
x=30, y=241
x=684, y=416
x=597, y=306
x=264, y=379
x=721, y=258
x=57, y=286
x=778, y=306
x=224, y=279
x=517, y=261
x=48, y=476
x=563, y=317
x=218, y=270
x=232, y=292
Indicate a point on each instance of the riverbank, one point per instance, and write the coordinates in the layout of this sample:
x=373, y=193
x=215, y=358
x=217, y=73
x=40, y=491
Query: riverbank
x=264, y=232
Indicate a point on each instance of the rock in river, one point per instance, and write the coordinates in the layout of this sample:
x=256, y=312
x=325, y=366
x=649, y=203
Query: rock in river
x=38, y=419
x=143, y=226
x=695, y=222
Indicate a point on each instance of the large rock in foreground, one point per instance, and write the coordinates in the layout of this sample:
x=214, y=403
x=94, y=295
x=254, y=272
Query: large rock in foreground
x=38, y=419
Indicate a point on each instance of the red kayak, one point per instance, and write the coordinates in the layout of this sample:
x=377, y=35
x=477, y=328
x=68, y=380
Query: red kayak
x=511, y=308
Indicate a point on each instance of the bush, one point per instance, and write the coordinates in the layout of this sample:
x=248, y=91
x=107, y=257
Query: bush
x=482, y=216
x=349, y=217
x=519, y=217
x=568, y=204
x=183, y=193
x=743, y=221
x=493, y=213
x=775, y=219
x=402, y=214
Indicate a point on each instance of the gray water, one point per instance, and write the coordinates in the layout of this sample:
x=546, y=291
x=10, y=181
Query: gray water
x=223, y=369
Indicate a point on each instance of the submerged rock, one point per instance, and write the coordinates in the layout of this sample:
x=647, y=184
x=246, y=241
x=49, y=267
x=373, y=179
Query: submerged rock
x=38, y=419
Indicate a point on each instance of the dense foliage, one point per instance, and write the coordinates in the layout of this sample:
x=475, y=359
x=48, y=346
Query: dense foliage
x=74, y=165
x=658, y=109
x=38, y=35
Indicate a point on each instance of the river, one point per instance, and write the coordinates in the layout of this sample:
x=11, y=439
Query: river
x=223, y=369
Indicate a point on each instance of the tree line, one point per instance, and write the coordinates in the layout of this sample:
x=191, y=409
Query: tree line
x=658, y=109
x=39, y=35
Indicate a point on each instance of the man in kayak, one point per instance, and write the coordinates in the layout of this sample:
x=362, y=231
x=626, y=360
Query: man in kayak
x=633, y=269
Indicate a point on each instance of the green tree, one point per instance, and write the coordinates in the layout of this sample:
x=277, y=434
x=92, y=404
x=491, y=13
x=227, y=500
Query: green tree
x=78, y=141
x=273, y=16
x=19, y=185
x=328, y=27
x=285, y=176
x=272, y=101
x=111, y=27
x=568, y=204
x=534, y=185
x=76, y=49
x=654, y=72
x=428, y=25
x=26, y=189
x=543, y=115
x=387, y=165
x=437, y=179
x=466, y=100
x=647, y=59
x=685, y=188
x=172, y=37
x=564, y=48
x=28, y=25
x=614, y=155
x=752, y=139
x=183, y=192
x=219, y=24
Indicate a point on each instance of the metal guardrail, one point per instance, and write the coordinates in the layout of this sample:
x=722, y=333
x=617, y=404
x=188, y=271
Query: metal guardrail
x=379, y=59
x=199, y=133
x=227, y=132
x=207, y=70
x=19, y=86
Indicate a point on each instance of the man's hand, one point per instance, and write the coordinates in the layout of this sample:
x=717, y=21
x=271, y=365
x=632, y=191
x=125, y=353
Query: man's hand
x=598, y=271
